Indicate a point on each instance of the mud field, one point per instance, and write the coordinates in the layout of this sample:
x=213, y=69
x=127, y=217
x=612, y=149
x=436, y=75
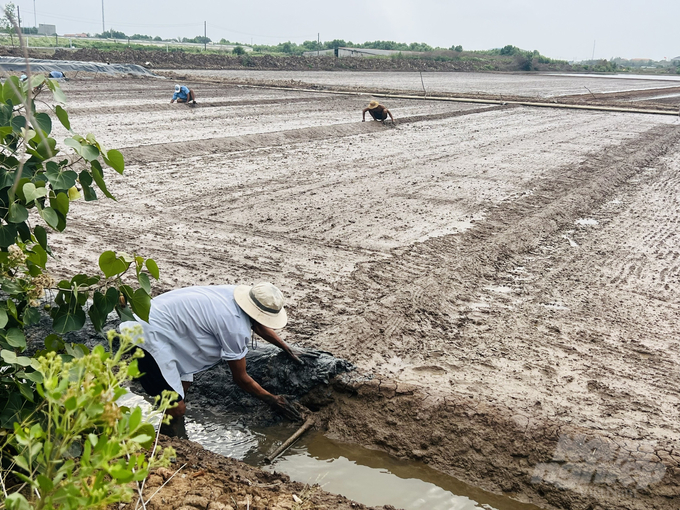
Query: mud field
x=508, y=276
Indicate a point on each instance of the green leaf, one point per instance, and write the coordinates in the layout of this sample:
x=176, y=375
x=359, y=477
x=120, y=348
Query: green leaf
x=37, y=255
x=8, y=235
x=57, y=93
x=121, y=474
x=135, y=419
x=12, y=90
x=124, y=313
x=31, y=192
x=54, y=343
x=111, y=265
x=13, y=359
x=16, y=501
x=115, y=160
x=15, y=337
x=147, y=430
x=46, y=148
x=85, y=178
x=59, y=178
x=62, y=115
x=44, y=122
x=141, y=304
x=41, y=236
x=144, y=282
x=69, y=320
x=98, y=177
x=35, y=377
x=45, y=484
x=61, y=203
x=36, y=80
x=89, y=152
x=152, y=267
x=89, y=194
x=97, y=317
x=18, y=123
x=70, y=403
x=31, y=316
x=3, y=318
x=17, y=213
x=50, y=217
x=26, y=390
x=112, y=297
x=72, y=142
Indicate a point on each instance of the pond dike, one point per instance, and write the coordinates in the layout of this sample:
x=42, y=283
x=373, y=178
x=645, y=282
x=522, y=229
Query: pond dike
x=215, y=389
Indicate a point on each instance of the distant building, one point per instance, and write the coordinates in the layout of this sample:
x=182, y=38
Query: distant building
x=75, y=35
x=47, y=29
x=676, y=60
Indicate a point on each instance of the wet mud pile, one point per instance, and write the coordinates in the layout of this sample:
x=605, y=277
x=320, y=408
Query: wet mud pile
x=275, y=372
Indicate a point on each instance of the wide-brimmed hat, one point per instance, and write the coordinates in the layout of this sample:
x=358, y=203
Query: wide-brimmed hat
x=177, y=87
x=263, y=303
x=373, y=104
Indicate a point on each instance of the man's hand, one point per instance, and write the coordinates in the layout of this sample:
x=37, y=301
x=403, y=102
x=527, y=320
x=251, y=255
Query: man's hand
x=279, y=404
x=294, y=357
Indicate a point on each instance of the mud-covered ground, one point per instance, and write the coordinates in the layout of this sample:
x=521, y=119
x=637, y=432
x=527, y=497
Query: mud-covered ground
x=508, y=274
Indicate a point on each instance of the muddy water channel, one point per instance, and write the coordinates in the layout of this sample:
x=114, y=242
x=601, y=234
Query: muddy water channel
x=367, y=476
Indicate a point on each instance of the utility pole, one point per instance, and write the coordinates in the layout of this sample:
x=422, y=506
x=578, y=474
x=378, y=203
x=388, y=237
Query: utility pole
x=205, y=35
x=103, y=27
x=593, y=57
x=35, y=16
x=19, y=18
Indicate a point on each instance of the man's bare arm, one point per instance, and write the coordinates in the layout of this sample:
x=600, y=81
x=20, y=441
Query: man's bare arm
x=390, y=114
x=363, y=114
x=250, y=385
x=269, y=335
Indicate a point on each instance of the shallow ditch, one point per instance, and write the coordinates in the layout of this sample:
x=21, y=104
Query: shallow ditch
x=227, y=421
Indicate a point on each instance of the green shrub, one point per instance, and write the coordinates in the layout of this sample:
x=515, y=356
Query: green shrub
x=80, y=449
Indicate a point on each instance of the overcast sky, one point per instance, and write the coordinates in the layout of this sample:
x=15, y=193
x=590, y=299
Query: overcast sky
x=563, y=29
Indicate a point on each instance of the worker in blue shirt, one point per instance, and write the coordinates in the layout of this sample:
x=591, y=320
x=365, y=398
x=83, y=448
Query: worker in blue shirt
x=57, y=74
x=183, y=95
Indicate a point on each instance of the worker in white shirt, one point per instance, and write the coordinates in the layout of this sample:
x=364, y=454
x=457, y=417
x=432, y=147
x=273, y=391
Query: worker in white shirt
x=194, y=328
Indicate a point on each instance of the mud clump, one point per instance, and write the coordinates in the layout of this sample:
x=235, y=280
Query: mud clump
x=274, y=371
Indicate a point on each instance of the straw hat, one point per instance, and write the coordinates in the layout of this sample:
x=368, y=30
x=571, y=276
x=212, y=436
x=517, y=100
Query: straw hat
x=373, y=104
x=177, y=87
x=263, y=303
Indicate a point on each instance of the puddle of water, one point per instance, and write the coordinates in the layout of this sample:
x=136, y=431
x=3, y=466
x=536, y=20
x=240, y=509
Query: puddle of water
x=374, y=478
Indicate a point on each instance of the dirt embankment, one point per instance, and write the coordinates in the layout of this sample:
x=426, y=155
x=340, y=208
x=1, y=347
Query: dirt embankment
x=181, y=60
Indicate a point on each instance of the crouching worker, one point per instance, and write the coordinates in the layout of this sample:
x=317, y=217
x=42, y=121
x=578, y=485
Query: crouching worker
x=183, y=95
x=194, y=328
x=377, y=111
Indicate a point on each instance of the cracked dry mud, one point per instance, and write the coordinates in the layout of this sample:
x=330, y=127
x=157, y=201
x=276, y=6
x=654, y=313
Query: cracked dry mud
x=508, y=275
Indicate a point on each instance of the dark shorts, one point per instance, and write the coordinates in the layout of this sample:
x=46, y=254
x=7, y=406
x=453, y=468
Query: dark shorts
x=152, y=379
x=378, y=115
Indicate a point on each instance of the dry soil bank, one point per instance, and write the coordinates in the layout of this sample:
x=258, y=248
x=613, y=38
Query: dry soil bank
x=509, y=275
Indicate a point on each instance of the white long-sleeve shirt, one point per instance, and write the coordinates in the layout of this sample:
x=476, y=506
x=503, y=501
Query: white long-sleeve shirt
x=192, y=329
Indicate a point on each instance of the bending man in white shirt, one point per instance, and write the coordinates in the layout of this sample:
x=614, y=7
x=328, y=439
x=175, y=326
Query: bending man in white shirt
x=194, y=328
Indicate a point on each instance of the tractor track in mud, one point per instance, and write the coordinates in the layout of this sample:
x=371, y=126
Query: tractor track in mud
x=508, y=275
